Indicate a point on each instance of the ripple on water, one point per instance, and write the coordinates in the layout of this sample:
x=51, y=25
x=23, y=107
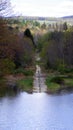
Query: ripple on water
x=38, y=111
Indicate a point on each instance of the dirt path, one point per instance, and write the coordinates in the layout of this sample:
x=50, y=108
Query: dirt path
x=39, y=81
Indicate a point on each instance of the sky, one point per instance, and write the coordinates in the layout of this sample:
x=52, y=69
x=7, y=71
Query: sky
x=44, y=8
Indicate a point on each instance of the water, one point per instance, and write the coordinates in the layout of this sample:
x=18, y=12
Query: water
x=39, y=81
x=38, y=111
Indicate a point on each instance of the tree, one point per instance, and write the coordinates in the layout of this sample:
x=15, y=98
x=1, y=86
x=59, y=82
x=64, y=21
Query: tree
x=65, y=26
x=36, y=23
x=28, y=34
x=43, y=26
x=5, y=8
x=6, y=66
x=57, y=51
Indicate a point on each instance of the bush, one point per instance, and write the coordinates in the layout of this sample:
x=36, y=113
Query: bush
x=26, y=84
x=52, y=85
x=64, y=69
x=28, y=72
x=57, y=79
x=6, y=66
x=24, y=71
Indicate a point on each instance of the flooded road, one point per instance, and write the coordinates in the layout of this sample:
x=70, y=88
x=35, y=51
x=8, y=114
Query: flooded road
x=39, y=81
x=37, y=111
x=39, y=78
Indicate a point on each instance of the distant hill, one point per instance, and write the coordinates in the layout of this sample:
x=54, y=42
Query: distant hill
x=50, y=20
x=68, y=17
x=33, y=18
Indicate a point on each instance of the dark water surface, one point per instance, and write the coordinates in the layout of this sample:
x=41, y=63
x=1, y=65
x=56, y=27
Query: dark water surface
x=38, y=111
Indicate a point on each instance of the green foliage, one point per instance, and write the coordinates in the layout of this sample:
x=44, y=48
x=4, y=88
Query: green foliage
x=51, y=85
x=57, y=79
x=26, y=84
x=57, y=50
x=26, y=72
x=15, y=50
x=65, y=26
x=36, y=23
x=6, y=66
x=39, y=46
x=41, y=41
x=68, y=81
x=15, y=47
x=27, y=59
x=58, y=82
x=61, y=66
x=43, y=26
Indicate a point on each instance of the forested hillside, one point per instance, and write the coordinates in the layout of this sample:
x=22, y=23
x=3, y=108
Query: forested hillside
x=57, y=49
x=21, y=39
x=15, y=50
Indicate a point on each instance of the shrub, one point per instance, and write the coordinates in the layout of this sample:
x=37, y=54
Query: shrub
x=26, y=84
x=52, y=85
x=24, y=71
x=6, y=66
x=57, y=79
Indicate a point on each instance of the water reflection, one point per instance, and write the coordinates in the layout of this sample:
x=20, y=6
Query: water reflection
x=38, y=111
x=7, y=90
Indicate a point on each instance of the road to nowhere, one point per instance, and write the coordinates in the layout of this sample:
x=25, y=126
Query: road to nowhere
x=39, y=81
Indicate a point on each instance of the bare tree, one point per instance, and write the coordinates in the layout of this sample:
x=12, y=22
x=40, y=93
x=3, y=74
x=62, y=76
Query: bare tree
x=5, y=8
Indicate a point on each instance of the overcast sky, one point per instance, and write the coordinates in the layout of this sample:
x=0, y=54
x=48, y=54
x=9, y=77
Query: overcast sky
x=52, y=8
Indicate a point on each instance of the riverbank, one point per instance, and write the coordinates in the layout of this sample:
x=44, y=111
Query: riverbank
x=15, y=84
x=32, y=81
x=57, y=83
x=21, y=80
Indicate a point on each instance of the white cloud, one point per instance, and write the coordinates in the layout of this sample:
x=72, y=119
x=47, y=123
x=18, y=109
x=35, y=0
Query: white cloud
x=44, y=7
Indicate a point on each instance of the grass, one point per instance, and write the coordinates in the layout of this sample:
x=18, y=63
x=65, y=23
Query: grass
x=22, y=84
x=58, y=82
x=68, y=81
x=52, y=86
x=26, y=72
x=26, y=84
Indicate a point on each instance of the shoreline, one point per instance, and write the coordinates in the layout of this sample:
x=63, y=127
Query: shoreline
x=13, y=86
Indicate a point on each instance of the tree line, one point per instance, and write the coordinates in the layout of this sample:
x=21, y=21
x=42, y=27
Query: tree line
x=57, y=50
x=16, y=49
